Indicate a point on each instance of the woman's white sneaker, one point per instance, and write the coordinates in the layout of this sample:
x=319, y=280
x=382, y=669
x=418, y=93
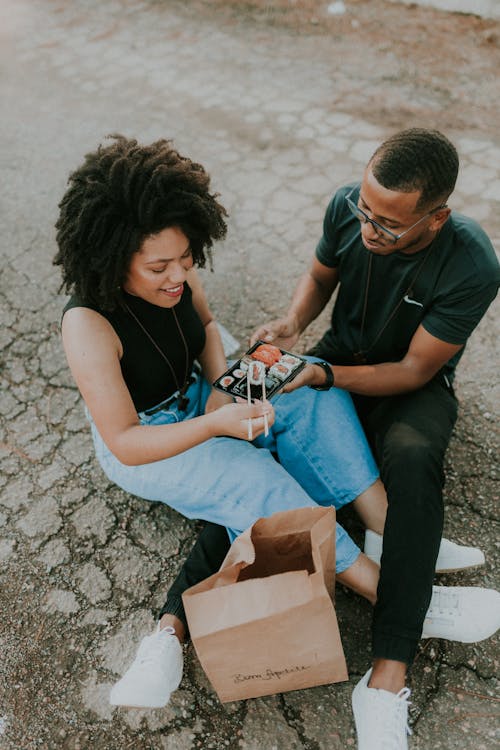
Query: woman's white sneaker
x=451, y=557
x=153, y=675
x=381, y=717
x=462, y=613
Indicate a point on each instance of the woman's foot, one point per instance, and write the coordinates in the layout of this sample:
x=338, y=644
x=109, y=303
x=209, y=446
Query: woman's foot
x=153, y=675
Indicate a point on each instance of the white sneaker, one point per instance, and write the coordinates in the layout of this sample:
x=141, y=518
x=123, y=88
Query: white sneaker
x=451, y=557
x=462, y=613
x=154, y=674
x=381, y=717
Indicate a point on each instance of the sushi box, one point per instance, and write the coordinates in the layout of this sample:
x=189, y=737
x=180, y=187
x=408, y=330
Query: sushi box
x=262, y=361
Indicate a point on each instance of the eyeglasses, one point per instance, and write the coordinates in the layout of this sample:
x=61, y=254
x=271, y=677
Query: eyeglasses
x=365, y=219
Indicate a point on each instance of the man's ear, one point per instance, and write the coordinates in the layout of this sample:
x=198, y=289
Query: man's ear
x=439, y=218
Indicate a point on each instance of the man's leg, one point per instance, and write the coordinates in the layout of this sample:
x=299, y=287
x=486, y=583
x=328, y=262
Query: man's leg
x=205, y=558
x=409, y=435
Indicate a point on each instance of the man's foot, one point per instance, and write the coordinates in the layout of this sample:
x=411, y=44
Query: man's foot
x=451, y=557
x=381, y=717
x=460, y=613
x=154, y=674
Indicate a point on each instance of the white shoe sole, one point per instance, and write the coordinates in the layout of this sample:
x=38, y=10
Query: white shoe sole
x=141, y=705
x=461, y=569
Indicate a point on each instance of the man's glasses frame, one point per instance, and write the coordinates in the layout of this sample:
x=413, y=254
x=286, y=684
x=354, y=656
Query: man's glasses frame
x=365, y=219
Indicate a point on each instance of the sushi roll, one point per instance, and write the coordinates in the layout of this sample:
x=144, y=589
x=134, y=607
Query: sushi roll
x=257, y=373
x=226, y=381
x=267, y=353
x=238, y=373
x=245, y=362
x=280, y=371
x=288, y=359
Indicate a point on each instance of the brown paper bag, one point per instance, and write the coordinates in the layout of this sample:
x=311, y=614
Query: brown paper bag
x=265, y=623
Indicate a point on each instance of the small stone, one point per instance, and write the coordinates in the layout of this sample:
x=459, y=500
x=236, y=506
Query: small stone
x=336, y=9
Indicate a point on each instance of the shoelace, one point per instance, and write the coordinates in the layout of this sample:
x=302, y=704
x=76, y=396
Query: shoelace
x=160, y=641
x=389, y=714
x=443, y=600
x=397, y=722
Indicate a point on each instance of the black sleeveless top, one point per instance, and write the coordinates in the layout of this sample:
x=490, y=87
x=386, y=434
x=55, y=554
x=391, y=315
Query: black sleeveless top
x=146, y=374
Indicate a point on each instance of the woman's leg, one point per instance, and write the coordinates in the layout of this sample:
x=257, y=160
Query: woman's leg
x=207, y=481
x=371, y=507
x=362, y=577
x=319, y=440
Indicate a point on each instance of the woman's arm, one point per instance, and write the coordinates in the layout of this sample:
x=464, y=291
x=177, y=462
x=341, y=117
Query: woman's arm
x=93, y=351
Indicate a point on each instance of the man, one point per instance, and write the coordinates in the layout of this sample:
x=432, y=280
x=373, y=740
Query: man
x=414, y=280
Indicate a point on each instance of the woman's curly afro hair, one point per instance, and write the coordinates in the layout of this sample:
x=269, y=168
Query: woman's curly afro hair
x=123, y=193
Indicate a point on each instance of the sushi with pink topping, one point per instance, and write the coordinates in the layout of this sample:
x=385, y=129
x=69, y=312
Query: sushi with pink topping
x=280, y=371
x=288, y=359
x=267, y=353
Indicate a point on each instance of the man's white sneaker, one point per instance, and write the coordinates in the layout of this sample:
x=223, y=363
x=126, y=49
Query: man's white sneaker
x=381, y=717
x=462, y=613
x=154, y=674
x=451, y=557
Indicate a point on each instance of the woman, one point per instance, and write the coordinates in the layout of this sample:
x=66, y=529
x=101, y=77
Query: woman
x=133, y=224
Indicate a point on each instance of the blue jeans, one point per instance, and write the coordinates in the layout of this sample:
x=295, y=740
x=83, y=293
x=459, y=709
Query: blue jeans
x=323, y=459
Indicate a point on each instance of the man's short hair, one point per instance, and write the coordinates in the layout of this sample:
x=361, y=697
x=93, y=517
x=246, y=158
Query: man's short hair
x=417, y=159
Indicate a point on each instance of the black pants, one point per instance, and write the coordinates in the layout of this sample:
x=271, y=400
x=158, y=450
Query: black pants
x=409, y=435
x=204, y=559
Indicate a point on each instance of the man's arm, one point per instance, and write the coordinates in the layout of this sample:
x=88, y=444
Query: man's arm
x=312, y=293
x=424, y=358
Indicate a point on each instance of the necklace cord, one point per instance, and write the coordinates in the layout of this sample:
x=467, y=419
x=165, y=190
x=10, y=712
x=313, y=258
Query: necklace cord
x=362, y=352
x=182, y=390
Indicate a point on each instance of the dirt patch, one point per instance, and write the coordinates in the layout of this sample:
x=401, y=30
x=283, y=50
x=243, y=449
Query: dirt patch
x=438, y=64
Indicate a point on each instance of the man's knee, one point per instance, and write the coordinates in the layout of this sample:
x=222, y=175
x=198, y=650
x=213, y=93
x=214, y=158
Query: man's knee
x=408, y=448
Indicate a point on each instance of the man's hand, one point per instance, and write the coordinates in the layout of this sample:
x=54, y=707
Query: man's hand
x=283, y=332
x=310, y=375
x=216, y=400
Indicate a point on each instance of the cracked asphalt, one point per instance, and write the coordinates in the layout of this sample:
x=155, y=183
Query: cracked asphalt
x=281, y=109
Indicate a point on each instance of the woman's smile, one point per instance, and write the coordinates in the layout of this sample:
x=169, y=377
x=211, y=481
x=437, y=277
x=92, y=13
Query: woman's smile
x=174, y=291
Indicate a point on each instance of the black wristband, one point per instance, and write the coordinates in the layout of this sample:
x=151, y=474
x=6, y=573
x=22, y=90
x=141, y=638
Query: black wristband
x=330, y=380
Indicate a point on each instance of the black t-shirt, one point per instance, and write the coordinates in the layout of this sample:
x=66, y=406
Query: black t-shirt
x=146, y=374
x=446, y=288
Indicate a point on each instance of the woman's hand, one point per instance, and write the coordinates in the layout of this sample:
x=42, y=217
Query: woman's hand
x=216, y=400
x=283, y=332
x=231, y=420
